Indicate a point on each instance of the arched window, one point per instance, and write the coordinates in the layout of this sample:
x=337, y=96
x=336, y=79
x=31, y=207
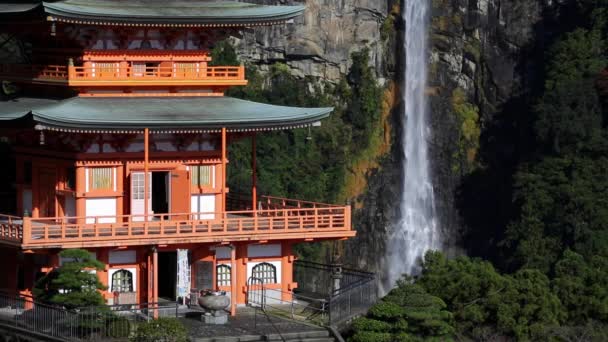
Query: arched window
x=266, y=272
x=122, y=281
x=223, y=275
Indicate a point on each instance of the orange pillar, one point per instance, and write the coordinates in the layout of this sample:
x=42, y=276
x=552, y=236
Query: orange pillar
x=241, y=273
x=155, y=280
x=233, y=275
x=254, y=194
x=103, y=255
x=287, y=284
x=150, y=280
x=146, y=180
x=223, y=169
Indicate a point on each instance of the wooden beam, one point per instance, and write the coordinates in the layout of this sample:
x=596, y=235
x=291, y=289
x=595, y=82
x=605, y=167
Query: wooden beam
x=146, y=180
x=155, y=281
x=224, y=160
x=233, y=280
x=254, y=195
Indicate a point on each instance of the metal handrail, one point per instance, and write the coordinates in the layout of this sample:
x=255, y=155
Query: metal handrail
x=83, y=323
x=259, y=282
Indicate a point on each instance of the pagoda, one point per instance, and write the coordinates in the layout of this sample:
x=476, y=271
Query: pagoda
x=118, y=129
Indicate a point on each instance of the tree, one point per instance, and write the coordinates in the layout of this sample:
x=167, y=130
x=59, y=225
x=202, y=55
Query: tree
x=74, y=284
x=486, y=303
x=407, y=313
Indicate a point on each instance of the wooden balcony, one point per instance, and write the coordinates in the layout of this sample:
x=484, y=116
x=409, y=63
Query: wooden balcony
x=36, y=74
x=156, y=76
x=323, y=222
x=124, y=75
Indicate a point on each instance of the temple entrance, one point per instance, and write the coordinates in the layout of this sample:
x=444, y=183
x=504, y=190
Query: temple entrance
x=158, y=196
x=160, y=192
x=167, y=275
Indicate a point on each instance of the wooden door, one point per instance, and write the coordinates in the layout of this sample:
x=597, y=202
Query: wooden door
x=46, y=188
x=180, y=194
x=137, y=195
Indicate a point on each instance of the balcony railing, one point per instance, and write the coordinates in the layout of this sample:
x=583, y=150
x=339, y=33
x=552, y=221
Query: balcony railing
x=34, y=73
x=11, y=229
x=124, y=75
x=239, y=201
x=123, y=230
x=121, y=75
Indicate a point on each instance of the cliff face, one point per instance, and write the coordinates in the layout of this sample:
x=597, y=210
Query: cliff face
x=482, y=58
x=319, y=43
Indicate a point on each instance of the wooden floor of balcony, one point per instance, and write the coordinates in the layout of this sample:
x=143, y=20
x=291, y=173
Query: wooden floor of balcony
x=130, y=230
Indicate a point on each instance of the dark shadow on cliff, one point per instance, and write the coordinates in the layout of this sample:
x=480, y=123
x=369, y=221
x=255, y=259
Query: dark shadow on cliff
x=485, y=197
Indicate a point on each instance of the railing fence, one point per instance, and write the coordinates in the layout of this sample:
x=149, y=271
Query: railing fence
x=99, y=323
x=327, y=295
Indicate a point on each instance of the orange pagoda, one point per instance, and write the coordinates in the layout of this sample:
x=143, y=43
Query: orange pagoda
x=118, y=129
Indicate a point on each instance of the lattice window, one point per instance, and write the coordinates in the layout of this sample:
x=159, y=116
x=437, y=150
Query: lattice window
x=185, y=69
x=202, y=175
x=137, y=186
x=102, y=178
x=266, y=272
x=223, y=275
x=122, y=281
x=138, y=69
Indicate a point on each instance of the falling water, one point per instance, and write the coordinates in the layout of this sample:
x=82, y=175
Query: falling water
x=417, y=229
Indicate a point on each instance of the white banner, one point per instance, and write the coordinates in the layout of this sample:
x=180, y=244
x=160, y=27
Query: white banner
x=183, y=274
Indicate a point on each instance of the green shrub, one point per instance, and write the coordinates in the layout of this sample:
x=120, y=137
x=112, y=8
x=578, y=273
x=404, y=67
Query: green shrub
x=369, y=336
x=161, y=330
x=119, y=327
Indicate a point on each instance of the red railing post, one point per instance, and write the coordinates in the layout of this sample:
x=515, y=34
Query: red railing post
x=27, y=230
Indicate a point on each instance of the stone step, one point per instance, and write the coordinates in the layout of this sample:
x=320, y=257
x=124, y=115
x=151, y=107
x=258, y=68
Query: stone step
x=318, y=339
x=299, y=336
x=241, y=338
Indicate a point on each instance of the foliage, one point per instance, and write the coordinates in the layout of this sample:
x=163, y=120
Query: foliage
x=223, y=54
x=119, y=327
x=306, y=163
x=160, y=330
x=407, y=313
x=72, y=284
x=468, y=117
x=485, y=302
x=582, y=287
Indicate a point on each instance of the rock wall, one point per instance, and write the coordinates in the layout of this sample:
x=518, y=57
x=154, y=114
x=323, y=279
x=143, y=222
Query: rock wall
x=484, y=57
x=320, y=41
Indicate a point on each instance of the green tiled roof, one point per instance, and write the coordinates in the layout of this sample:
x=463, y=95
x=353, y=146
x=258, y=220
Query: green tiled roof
x=158, y=11
x=157, y=113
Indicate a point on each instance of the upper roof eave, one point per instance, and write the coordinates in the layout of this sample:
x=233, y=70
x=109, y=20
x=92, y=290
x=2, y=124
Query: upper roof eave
x=197, y=12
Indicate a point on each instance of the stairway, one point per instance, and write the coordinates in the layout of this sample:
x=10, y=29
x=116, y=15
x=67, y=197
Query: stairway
x=306, y=336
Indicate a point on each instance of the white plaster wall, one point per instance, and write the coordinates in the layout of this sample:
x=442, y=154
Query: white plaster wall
x=203, y=204
x=254, y=251
x=105, y=206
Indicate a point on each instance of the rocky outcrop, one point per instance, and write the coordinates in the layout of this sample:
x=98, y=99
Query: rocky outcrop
x=319, y=43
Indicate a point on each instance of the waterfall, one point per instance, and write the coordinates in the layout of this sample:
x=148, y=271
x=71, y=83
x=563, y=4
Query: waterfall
x=416, y=231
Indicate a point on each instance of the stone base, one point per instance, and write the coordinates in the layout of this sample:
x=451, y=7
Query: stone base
x=211, y=319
